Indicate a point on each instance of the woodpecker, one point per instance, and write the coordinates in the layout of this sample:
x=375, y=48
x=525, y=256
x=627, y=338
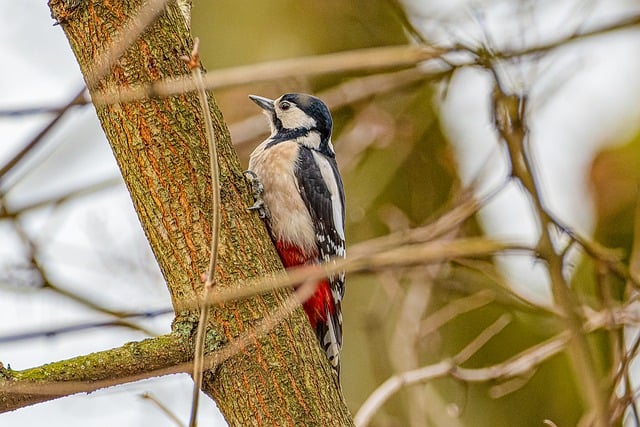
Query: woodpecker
x=302, y=202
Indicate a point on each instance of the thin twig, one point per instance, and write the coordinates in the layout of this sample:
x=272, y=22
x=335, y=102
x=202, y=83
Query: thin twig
x=83, y=326
x=350, y=92
x=209, y=281
x=617, y=25
x=163, y=408
x=444, y=368
x=482, y=339
x=16, y=158
x=380, y=58
x=412, y=255
x=436, y=320
x=29, y=111
x=58, y=200
x=91, y=304
x=211, y=360
x=517, y=365
x=510, y=122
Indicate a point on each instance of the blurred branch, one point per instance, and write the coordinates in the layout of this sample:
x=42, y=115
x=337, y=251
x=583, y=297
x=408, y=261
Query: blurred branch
x=163, y=408
x=84, y=326
x=509, y=116
x=27, y=148
x=167, y=354
x=357, y=60
x=355, y=90
x=503, y=292
x=80, y=101
x=6, y=213
x=362, y=260
x=436, y=320
x=515, y=366
x=47, y=283
x=371, y=59
x=616, y=25
x=92, y=305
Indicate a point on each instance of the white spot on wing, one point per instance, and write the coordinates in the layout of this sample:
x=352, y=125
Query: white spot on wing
x=331, y=344
x=336, y=203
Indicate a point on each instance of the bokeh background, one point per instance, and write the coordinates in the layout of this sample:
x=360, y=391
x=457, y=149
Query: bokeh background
x=407, y=155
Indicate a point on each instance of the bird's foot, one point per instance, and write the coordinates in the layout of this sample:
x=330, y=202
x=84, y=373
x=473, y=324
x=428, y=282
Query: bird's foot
x=257, y=189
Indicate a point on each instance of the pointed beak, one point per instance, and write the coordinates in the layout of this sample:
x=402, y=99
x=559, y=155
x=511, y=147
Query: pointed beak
x=264, y=103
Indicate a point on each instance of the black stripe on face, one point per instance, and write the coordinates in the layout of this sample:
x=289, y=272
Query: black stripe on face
x=313, y=107
x=284, y=135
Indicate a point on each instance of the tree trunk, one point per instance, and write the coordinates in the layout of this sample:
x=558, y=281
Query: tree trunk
x=160, y=147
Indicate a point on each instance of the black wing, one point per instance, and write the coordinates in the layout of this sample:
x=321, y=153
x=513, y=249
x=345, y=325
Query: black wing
x=327, y=212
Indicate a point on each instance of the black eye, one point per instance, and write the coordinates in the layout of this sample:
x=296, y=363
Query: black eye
x=284, y=106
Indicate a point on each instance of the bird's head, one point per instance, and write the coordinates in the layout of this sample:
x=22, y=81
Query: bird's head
x=298, y=116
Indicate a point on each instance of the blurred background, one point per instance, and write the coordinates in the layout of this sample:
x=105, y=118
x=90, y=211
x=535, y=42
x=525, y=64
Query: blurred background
x=410, y=144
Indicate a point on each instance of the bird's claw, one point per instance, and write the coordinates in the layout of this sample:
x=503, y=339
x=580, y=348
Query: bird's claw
x=257, y=189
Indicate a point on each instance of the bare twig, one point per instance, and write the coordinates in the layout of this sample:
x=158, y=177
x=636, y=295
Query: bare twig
x=510, y=114
x=401, y=257
x=58, y=200
x=211, y=360
x=350, y=92
x=355, y=60
x=28, y=111
x=84, y=326
x=616, y=25
x=454, y=309
x=364, y=59
x=16, y=158
x=194, y=64
x=148, y=396
x=90, y=304
x=441, y=369
x=483, y=338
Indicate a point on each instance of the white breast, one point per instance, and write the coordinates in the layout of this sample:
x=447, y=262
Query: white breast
x=290, y=219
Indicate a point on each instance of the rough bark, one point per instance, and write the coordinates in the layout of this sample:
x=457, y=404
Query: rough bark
x=159, y=144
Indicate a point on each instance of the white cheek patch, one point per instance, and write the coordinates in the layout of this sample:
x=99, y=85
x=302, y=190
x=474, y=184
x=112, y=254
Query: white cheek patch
x=295, y=118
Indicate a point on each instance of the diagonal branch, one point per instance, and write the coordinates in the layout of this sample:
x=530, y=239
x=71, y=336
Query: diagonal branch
x=17, y=157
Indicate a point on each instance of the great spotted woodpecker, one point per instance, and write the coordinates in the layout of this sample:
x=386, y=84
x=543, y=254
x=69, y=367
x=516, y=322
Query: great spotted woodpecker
x=303, y=202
